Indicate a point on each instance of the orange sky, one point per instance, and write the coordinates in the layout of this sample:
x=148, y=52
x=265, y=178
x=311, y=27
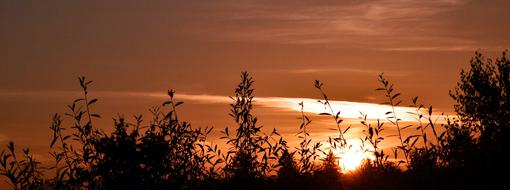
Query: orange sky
x=200, y=47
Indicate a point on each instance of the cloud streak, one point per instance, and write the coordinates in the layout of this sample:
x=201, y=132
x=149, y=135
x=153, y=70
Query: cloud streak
x=340, y=70
x=348, y=109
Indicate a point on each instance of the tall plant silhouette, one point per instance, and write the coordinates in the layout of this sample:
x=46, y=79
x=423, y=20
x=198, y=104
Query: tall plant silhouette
x=77, y=169
x=393, y=100
x=307, y=151
x=335, y=115
x=374, y=137
x=250, y=148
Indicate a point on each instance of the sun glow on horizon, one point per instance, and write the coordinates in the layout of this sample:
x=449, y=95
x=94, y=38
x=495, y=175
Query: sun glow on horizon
x=351, y=160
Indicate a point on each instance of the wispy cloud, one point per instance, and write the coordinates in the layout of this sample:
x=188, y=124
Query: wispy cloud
x=449, y=48
x=392, y=25
x=348, y=109
x=339, y=70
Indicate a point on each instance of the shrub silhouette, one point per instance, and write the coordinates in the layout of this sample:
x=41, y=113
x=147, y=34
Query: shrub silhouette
x=469, y=151
x=22, y=173
x=167, y=154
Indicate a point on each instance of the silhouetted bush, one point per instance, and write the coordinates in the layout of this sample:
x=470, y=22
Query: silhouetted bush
x=469, y=151
x=22, y=173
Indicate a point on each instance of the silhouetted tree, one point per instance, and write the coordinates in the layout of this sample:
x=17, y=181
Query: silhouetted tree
x=483, y=96
x=480, y=142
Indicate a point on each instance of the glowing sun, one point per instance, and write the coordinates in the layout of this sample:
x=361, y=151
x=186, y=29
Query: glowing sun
x=351, y=159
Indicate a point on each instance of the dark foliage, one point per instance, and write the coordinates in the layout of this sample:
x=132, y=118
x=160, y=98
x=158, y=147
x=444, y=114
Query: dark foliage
x=467, y=152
